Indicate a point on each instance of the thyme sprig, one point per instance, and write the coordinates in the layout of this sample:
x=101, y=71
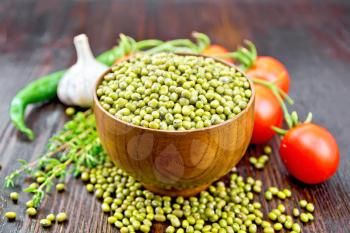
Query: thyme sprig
x=76, y=146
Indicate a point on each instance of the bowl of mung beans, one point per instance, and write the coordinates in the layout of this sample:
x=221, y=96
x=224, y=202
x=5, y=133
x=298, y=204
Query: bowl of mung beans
x=175, y=122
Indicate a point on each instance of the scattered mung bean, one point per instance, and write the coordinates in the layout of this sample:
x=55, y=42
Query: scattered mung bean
x=296, y=227
x=302, y=203
x=281, y=208
x=60, y=187
x=70, y=111
x=29, y=204
x=45, y=222
x=288, y=224
x=268, y=195
x=267, y=149
x=10, y=216
x=310, y=216
x=287, y=192
x=277, y=226
x=31, y=211
x=304, y=217
x=61, y=217
x=14, y=196
x=51, y=217
x=296, y=212
x=310, y=207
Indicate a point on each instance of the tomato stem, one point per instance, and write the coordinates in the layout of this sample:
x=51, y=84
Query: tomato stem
x=203, y=41
x=308, y=118
x=276, y=91
x=244, y=55
x=243, y=59
x=295, y=118
x=285, y=96
x=252, y=49
x=279, y=131
x=249, y=55
x=145, y=44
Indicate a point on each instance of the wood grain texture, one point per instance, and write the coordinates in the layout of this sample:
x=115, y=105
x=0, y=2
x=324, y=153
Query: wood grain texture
x=310, y=37
x=175, y=162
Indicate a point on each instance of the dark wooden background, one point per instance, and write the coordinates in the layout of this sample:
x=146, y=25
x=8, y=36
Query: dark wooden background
x=312, y=38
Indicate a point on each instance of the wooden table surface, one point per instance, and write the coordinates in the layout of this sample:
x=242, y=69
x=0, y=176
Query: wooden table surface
x=311, y=38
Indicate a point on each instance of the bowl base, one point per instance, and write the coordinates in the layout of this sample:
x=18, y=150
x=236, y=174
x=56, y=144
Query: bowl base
x=176, y=192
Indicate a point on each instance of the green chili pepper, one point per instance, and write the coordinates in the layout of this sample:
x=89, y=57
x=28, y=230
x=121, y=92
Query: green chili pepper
x=40, y=90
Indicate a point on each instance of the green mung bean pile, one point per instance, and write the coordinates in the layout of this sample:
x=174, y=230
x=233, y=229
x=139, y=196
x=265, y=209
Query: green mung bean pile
x=223, y=207
x=230, y=206
x=173, y=92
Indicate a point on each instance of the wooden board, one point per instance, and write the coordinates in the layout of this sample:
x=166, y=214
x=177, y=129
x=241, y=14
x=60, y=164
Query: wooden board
x=310, y=37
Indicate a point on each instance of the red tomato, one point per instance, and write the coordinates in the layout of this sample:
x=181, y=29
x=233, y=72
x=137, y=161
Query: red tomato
x=270, y=69
x=310, y=153
x=216, y=49
x=267, y=113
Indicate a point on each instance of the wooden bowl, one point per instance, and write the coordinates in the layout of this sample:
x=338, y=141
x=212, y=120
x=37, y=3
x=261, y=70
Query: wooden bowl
x=175, y=162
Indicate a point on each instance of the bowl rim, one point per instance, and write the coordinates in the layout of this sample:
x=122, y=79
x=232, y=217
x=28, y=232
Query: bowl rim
x=97, y=104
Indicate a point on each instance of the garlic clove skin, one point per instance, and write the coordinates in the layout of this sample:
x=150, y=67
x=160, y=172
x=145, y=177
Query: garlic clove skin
x=77, y=85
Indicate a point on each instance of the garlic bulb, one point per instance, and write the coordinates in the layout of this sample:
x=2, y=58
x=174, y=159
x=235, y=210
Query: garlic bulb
x=77, y=85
